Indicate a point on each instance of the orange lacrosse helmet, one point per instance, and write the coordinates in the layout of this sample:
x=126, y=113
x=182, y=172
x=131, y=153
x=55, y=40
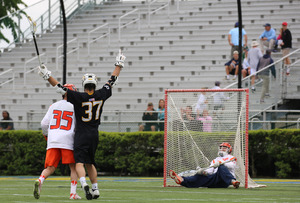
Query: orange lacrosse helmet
x=70, y=87
x=226, y=144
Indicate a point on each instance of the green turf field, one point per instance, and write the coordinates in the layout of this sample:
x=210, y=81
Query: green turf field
x=128, y=189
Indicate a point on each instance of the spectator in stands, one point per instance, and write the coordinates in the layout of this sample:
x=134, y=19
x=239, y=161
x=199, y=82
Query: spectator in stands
x=149, y=115
x=286, y=45
x=6, y=125
x=187, y=113
x=219, y=97
x=267, y=38
x=278, y=39
x=232, y=66
x=189, y=119
x=263, y=62
x=201, y=103
x=161, y=114
x=246, y=66
x=254, y=55
x=233, y=38
x=206, y=121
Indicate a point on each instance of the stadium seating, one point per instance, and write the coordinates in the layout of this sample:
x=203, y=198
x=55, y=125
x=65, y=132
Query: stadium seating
x=179, y=49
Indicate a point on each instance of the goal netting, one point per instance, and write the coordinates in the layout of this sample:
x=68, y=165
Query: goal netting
x=197, y=122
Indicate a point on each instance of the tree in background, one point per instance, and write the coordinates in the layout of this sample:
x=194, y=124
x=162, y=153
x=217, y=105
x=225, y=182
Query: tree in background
x=9, y=7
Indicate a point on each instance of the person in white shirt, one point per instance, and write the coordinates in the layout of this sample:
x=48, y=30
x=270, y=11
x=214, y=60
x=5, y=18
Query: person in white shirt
x=219, y=97
x=58, y=127
x=201, y=103
x=221, y=173
x=254, y=55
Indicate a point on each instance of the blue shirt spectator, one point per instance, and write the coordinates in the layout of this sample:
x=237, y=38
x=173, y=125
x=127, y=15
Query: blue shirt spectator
x=161, y=114
x=234, y=32
x=268, y=33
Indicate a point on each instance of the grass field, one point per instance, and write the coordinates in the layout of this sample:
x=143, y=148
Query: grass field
x=128, y=189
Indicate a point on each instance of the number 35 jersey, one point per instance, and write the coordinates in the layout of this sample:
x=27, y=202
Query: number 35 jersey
x=88, y=108
x=59, y=125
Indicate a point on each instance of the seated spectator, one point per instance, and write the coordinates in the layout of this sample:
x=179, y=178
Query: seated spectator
x=6, y=125
x=187, y=114
x=149, y=115
x=246, y=66
x=161, y=114
x=206, y=121
x=190, y=120
x=267, y=38
x=232, y=66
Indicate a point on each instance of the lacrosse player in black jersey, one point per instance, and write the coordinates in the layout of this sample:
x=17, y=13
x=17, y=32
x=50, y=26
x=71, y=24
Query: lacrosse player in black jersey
x=88, y=108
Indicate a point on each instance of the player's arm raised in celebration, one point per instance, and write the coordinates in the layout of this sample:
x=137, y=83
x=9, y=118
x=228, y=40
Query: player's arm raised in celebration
x=120, y=62
x=46, y=75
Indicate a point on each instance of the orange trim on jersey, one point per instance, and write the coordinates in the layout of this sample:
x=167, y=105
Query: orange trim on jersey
x=54, y=155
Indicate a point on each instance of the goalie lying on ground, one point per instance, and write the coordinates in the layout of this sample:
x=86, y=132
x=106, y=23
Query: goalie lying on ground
x=220, y=173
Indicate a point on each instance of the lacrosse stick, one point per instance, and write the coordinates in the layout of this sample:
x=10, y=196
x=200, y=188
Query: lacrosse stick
x=194, y=172
x=33, y=30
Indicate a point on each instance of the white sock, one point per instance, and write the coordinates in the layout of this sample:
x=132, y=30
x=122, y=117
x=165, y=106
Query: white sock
x=82, y=180
x=42, y=178
x=73, y=187
x=95, y=186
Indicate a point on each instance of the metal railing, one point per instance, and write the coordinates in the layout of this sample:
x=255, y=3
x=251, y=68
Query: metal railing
x=12, y=79
x=158, y=9
x=99, y=37
x=32, y=69
x=48, y=20
x=137, y=19
x=125, y=121
x=279, y=89
x=76, y=48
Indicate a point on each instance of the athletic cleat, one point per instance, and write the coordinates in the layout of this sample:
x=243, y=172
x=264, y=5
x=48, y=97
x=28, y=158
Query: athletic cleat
x=37, y=189
x=74, y=196
x=175, y=177
x=236, y=184
x=86, y=189
x=95, y=194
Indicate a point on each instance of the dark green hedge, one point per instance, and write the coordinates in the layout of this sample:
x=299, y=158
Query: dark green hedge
x=274, y=153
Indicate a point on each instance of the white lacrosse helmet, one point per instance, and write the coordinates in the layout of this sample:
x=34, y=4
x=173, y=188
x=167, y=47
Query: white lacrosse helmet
x=89, y=78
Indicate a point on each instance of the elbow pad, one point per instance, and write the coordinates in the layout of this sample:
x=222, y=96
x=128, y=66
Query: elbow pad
x=60, y=89
x=113, y=80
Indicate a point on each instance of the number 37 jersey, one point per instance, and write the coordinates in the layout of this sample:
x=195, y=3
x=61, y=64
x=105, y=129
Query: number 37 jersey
x=59, y=125
x=88, y=108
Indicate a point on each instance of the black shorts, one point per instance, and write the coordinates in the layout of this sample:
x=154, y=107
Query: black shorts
x=232, y=72
x=85, y=146
x=247, y=72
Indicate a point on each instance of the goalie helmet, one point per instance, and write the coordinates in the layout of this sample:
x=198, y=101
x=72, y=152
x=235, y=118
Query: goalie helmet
x=89, y=78
x=71, y=87
x=228, y=151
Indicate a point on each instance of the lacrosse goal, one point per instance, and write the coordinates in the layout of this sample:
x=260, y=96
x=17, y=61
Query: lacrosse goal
x=197, y=121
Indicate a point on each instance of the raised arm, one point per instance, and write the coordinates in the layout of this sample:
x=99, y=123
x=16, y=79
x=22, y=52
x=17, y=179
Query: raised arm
x=120, y=62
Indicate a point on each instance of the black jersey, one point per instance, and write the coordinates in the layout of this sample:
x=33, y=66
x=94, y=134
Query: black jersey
x=88, y=108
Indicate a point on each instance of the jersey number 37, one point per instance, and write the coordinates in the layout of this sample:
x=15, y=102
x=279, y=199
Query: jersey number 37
x=89, y=110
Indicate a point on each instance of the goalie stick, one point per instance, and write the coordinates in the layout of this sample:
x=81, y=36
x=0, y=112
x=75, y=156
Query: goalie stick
x=33, y=30
x=194, y=172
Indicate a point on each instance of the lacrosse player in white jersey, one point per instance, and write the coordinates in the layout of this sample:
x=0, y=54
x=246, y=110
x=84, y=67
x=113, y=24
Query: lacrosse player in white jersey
x=58, y=126
x=220, y=174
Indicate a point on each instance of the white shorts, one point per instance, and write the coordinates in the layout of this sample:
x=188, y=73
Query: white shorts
x=253, y=71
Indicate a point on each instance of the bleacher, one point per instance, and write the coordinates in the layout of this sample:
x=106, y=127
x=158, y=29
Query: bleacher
x=178, y=49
